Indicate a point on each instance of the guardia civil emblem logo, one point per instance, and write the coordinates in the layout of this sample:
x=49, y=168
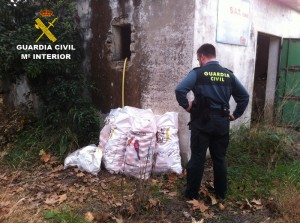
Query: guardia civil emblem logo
x=45, y=29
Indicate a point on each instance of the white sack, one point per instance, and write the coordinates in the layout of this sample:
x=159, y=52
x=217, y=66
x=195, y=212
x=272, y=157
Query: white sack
x=139, y=155
x=104, y=136
x=140, y=146
x=132, y=136
x=86, y=159
x=113, y=155
x=138, y=112
x=167, y=152
x=105, y=131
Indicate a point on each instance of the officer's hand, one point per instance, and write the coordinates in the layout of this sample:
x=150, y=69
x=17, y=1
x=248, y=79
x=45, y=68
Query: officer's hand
x=231, y=118
x=190, y=106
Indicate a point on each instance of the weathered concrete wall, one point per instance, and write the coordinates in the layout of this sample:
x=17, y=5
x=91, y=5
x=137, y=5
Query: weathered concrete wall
x=19, y=93
x=228, y=55
x=274, y=18
x=167, y=48
x=161, y=53
x=85, y=13
x=106, y=71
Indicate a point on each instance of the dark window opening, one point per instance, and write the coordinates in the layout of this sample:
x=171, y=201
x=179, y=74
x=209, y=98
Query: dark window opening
x=122, y=41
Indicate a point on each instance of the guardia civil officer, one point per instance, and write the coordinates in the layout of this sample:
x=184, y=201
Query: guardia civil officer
x=212, y=86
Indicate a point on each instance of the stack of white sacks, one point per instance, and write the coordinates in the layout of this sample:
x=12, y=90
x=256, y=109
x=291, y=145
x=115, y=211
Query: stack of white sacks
x=137, y=143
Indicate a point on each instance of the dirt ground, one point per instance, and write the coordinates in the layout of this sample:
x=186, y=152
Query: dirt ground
x=26, y=195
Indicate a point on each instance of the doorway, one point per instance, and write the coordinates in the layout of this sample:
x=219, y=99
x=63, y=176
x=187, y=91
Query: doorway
x=265, y=77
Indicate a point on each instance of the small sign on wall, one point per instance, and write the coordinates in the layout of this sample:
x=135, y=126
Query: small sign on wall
x=233, y=22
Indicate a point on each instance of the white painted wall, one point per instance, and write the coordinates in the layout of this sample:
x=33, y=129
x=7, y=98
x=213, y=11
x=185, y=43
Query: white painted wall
x=274, y=48
x=267, y=16
x=273, y=18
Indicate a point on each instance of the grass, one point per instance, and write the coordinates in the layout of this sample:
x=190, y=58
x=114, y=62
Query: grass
x=287, y=198
x=261, y=165
x=26, y=135
x=288, y=173
x=64, y=216
x=25, y=150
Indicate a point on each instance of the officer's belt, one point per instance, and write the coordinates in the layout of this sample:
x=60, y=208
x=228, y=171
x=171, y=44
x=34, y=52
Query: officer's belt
x=216, y=111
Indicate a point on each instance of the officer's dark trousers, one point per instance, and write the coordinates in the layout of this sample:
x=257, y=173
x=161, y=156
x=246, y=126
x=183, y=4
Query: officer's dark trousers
x=214, y=135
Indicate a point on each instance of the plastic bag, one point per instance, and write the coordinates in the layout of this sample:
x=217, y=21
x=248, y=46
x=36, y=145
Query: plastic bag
x=86, y=159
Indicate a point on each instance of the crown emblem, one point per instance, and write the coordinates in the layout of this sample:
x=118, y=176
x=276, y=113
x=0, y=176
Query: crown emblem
x=46, y=13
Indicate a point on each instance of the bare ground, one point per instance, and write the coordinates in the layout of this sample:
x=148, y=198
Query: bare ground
x=26, y=195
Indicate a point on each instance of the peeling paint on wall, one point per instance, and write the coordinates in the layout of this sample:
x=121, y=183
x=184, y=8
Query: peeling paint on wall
x=85, y=13
x=108, y=17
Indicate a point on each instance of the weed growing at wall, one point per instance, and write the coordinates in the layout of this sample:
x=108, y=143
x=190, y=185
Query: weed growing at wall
x=258, y=159
x=267, y=144
x=69, y=119
x=287, y=198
